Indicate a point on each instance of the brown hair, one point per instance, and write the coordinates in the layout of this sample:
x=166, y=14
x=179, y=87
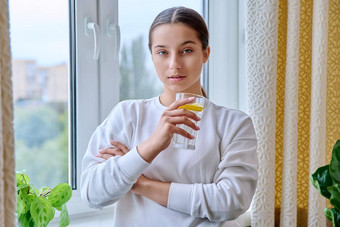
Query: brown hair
x=185, y=16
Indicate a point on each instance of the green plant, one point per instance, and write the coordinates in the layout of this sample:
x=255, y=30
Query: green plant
x=36, y=207
x=327, y=180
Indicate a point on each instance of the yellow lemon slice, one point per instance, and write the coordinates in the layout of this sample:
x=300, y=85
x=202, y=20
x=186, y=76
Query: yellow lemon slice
x=192, y=106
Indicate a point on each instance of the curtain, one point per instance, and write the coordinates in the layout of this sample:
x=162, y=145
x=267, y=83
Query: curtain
x=7, y=159
x=293, y=70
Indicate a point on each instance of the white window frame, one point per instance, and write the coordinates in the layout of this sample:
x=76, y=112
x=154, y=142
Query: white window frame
x=96, y=92
x=226, y=65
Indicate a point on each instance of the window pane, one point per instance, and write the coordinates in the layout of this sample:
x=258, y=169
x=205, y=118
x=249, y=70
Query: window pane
x=138, y=76
x=40, y=61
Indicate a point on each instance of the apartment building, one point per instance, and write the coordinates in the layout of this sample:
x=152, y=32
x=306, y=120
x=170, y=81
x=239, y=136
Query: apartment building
x=31, y=81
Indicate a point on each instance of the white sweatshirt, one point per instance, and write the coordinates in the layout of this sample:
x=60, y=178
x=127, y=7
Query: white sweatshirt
x=211, y=184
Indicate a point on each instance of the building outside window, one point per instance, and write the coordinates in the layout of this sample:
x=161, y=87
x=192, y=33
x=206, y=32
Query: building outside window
x=40, y=56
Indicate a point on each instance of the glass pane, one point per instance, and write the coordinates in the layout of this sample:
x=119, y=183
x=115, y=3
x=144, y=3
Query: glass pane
x=40, y=61
x=138, y=76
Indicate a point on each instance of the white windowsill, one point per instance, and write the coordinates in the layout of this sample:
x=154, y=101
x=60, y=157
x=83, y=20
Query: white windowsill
x=77, y=211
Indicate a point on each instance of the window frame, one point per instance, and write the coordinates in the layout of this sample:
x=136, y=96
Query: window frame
x=93, y=88
x=105, y=87
x=226, y=25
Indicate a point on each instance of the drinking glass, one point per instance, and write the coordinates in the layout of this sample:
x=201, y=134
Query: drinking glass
x=197, y=107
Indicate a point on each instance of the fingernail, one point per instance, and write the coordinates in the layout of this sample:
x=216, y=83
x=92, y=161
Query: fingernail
x=97, y=155
x=191, y=98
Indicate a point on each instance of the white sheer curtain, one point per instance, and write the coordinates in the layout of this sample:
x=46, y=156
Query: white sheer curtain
x=262, y=51
x=318, y=107
x=7, y=160
x=261, y=58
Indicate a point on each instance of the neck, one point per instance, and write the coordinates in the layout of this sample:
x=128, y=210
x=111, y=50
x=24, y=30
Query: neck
x=167, y=99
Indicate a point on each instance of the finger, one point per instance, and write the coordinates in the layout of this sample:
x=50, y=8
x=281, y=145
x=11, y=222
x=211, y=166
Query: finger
x=121, y=146
x=183, y=120
x=184, y=133
x=104, y=156
x=111, y=151
x=183, y=112
x=180, y=102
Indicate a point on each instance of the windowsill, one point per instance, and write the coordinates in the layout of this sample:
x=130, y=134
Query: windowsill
x=78, y=210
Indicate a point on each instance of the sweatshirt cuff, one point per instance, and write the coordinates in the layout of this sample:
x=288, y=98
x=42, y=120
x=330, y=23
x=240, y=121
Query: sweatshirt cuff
x=180, y=197
x=132, y=164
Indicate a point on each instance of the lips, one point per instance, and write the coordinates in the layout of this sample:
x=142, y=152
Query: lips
x=176, y=78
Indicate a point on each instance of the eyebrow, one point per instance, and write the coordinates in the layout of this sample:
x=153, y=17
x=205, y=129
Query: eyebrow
x=182, y=44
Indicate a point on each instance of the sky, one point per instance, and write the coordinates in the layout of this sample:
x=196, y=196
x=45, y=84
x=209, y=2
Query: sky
x=39, y=29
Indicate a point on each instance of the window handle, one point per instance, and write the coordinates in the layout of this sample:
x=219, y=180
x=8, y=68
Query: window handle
x=89, y=25
x=113, y=31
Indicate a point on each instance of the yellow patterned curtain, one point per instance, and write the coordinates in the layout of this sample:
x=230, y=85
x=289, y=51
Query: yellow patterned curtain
x=293, y=70
x=7, y=163
x=304, y=99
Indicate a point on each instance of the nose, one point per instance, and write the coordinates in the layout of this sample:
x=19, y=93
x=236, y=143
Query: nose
x=175, y=63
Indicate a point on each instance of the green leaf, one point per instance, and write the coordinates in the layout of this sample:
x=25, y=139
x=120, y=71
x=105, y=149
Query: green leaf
x=335, y=195
x=19, y=187
x=23, y=204
x=334, y=167
x=26, y=220
x=31, y=198
x=328, y=213
x=44, y=191
x=321, y=179
x=22, y=178
x=333, y=215
x=64, y=218
x=59, y=208
x=35, y=190
x=60, y=195
x=42, y=211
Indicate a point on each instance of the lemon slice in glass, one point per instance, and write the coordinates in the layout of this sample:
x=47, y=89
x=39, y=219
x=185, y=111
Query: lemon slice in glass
x=192, y=106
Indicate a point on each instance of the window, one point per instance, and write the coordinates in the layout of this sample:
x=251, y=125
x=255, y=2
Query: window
x=40, y=62
x=54, y=45
x=227, y=77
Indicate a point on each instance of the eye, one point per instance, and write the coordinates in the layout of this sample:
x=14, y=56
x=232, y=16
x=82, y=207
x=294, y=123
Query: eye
x=161, y=52
x=187, y=51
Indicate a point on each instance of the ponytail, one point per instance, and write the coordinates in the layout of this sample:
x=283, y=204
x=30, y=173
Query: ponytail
x=204, y=93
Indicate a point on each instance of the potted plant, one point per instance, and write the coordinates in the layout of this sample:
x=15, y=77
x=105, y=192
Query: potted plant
x=327, y=180
x=36, y=207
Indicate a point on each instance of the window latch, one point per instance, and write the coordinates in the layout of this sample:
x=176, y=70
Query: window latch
x=91, y=26
x=113, y=31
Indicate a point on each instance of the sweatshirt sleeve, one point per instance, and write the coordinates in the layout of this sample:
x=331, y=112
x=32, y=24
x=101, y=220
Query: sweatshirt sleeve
x=103, y=182
x=232, y=190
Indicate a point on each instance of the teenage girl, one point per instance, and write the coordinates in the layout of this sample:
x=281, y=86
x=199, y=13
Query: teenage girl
x=131, y=161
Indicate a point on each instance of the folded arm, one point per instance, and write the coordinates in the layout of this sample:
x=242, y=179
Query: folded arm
x=226, y=198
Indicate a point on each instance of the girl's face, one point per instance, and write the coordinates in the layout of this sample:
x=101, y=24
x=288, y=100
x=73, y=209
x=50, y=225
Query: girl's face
x=178, y=57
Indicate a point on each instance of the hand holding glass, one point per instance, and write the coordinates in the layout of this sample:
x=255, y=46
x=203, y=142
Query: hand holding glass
x=197, y=107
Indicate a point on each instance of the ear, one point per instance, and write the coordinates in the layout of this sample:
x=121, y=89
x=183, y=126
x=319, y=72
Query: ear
x=206, y=54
